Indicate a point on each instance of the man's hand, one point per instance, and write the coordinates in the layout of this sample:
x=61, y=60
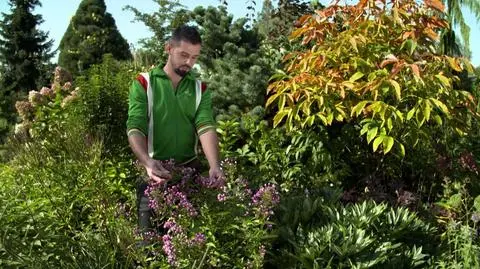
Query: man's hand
x=157, y=172
x=216, y=173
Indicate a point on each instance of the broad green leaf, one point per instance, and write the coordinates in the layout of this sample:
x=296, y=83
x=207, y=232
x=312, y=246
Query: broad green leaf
x=440, y=105
x=426, y=110
x=388, y=142
x=438, y=119
x=358, y=108
x=280, y=115
x=364, y=129
x=272, y=99
x=377, y=142
x=411, y=113
x=322, y=118
x=397, y=88
x=356, y=76
x=476, y=203
x=444, y=80
x=453, y=64
x=389, y=124
x=410, y=45
x=371, y=134
x=281, y=102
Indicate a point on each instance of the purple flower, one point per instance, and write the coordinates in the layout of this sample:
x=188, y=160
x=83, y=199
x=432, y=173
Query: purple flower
x=199, y=239
x=221, y=197
x=169, y=250
x=266, y=198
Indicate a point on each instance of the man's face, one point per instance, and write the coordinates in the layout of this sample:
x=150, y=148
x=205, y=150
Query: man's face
x=182, y=56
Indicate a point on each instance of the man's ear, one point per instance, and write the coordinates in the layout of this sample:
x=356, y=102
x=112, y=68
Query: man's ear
x=168, y=47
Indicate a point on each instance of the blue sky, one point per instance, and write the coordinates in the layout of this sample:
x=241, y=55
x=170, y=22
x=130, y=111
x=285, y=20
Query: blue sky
x=57, y=14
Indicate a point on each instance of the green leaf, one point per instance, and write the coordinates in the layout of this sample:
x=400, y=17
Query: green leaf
x=402, y=149
x=356, y=76
x=377, y=142
x=371, y=134
x=410, y=45
x=388, y=142
x=426, y=110
x=444, y=80
x=440, y=105
x=396, y=86
x=476, y=203
x=280, y=115
x=411, y=113
x=358, y=108
x=281, y=102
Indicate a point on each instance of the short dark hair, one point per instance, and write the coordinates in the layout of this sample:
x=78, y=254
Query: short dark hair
x=186, y=33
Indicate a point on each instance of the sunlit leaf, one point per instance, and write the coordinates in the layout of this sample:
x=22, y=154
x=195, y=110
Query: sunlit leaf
x=356, y=76
x=377, y=142
x=371, y=134
x=388, y=142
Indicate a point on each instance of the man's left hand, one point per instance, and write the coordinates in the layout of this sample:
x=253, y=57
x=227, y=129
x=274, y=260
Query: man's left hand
x=216, y=173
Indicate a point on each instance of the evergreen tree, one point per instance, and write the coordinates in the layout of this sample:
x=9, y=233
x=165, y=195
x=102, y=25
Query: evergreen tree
x=91, y=34
x=24, y=55
x=233, y=62
x=170, y=15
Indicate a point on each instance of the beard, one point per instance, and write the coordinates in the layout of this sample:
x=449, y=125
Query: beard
x=182, y=70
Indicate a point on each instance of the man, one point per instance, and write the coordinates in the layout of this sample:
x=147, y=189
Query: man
x=176, y=120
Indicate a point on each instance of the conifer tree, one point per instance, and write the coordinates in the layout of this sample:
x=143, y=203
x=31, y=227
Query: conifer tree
x=24, y=54
x=91, y=34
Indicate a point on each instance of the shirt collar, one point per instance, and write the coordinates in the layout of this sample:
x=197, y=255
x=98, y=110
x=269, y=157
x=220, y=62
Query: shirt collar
x=158, y=71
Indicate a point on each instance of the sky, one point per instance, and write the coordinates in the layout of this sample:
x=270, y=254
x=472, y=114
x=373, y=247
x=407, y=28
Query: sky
x=57, y=14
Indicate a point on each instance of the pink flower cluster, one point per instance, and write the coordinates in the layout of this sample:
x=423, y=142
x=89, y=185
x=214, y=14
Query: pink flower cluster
x=266, y=198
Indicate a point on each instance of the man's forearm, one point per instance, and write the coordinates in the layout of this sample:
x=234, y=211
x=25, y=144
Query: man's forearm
x=138, y=144
x=209, y=143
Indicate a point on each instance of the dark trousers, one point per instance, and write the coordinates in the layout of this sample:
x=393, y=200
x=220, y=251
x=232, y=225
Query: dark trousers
x=145, y=213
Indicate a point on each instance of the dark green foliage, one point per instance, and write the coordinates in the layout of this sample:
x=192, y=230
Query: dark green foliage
x=316, y=233
x=232, y=61
x=169, y=16
x=91, y=34
x=104, y=94
x=24, y=55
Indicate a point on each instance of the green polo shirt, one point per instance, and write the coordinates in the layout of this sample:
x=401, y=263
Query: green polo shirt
x=175, y=123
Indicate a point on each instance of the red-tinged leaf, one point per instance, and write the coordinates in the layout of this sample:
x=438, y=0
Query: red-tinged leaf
x=398, y=66
x=415, y=70
x=436, y=4
x=303, y=19
x=388, y=60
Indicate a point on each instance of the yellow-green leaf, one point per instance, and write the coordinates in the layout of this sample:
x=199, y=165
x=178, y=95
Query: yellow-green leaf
x=396, y=86
x=438, y=119
x=444, y=80
x=411, y=113
x=427, y=110
x=388, y=142
x=377, y=142
x=440, y=105
x=358, y=108
x=356, y=76
x=281, y=102
x=453, y=64
x=322, y=118
x=272, y=99
x=280, y=115
x=402, y=149
x=389, y=124
x=371, y=134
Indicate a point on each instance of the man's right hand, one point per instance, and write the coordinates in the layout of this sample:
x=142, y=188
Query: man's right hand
x=157, y=172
